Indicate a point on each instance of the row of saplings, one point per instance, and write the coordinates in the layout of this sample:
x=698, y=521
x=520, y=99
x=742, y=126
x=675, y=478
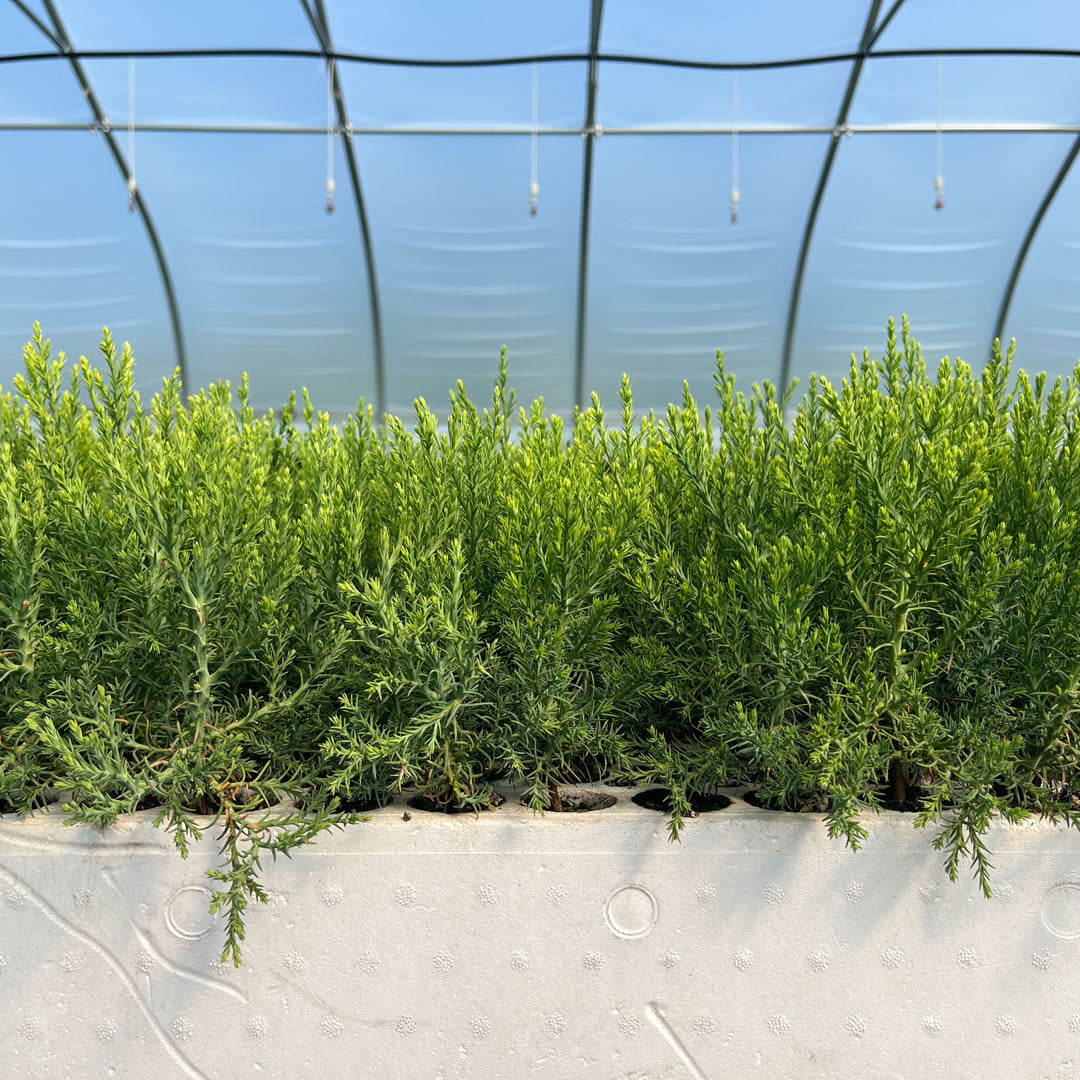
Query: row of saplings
x=865, y=598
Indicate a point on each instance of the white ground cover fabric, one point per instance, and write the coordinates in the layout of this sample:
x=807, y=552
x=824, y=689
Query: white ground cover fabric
x=562, y=947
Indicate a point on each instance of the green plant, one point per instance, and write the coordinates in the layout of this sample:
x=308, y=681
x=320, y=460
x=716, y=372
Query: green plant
x=258, y=624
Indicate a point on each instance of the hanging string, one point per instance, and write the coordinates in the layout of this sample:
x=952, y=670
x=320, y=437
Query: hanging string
x=734, y=147
x=939, y=181
x=132, y=183
x=534, y=181
x=330, y=186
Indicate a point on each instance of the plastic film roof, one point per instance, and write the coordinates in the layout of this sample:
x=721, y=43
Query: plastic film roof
x=831, y=120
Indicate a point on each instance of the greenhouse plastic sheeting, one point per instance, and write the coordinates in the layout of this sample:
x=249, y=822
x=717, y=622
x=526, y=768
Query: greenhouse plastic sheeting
x=672, y=281
x=279, y=294
x=73, y=269
x=1045, y=315
x=450, y=111
x=874, y=257
x=464, y=271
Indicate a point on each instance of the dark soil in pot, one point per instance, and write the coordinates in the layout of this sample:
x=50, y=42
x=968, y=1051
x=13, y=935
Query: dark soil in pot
x=211, y=804
x=363, y=805
x=803, y=804
x=579, y=801
x=701, y=802
x=360, y=804
x=1064, y=793
x=912, y=803
x=424, y=802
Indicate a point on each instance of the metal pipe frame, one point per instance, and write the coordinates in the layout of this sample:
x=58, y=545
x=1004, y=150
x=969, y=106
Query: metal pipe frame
x=589, y=132
x=542, y=58
x=872, y=32
x=868, y=36
x=320, y=26
x=45, y=30
x=524, y=129
x=1029, y=239
x=61, y=39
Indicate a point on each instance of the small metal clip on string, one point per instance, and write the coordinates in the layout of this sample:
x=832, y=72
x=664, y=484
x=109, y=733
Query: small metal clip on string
x=534, y=181
x=939, y=181
x=330, y=185
x=132, y=183
x=734, y=147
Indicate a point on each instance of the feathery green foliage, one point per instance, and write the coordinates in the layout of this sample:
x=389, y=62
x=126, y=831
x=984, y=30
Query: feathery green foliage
x=275, y=622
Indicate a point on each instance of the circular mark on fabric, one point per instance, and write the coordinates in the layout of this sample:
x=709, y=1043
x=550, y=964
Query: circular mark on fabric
x=555, y=1024
x=1005, y=1024
x=187, y=913
x=855, y=1026
x=1043, y=959
x=967, y=958
x=631, y=911
x=294, y=961
x=1061, y=910
x=892, y=958
x=705, y=1025
x=368, y=961
x=778, y=1024
x=257, y=1026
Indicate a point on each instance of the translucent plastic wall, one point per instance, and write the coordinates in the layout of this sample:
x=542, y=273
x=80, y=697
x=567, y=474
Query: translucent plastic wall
x=636, y=120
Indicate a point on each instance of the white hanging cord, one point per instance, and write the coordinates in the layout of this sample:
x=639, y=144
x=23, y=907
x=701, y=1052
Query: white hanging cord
x=534, y=181
x=330, y=186
x=939, y=181
x=132, y=183
x=734, y=147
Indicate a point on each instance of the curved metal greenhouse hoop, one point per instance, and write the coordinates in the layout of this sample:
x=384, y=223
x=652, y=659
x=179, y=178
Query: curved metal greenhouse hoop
x=870, y=34
x=589, y=133
x=320, y=26
x=59, y=37
x=1029, y=239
